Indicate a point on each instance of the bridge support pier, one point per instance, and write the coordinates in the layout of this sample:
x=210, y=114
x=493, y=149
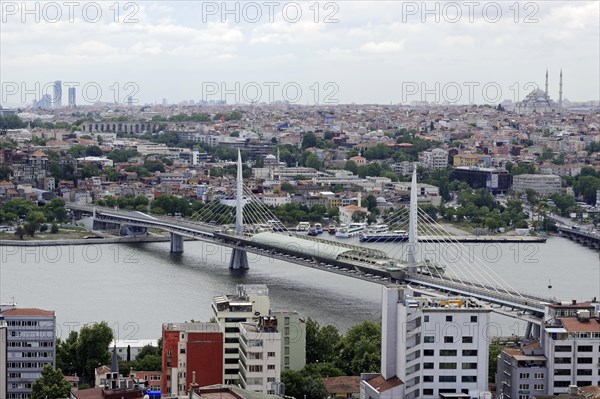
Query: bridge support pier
x=176, y=243
x=239, y=259
x=536, y=330
x=528, y=329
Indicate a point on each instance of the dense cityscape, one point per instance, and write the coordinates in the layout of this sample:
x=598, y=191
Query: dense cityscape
x=461, y=214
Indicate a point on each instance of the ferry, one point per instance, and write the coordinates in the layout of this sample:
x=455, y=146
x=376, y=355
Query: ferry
x=377, y=228
x=319, y=228
x=331, y=229
x=352, y=230
x=386, y=236
x=303, y=226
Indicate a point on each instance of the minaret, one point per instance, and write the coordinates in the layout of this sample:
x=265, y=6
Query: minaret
x=546, y=82
x=560, y=91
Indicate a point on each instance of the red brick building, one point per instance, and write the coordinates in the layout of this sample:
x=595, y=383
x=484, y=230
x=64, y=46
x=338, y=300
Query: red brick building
x=192, y=352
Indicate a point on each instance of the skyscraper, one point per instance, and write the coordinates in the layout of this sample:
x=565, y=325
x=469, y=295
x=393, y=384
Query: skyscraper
x=57, y=97
x=72, y=98
x=3, y=357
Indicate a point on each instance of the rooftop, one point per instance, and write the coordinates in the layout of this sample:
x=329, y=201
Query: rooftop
x=381, y=384
x=344, y=384
x=572, y=324
x=27, y=312
x=193, y=327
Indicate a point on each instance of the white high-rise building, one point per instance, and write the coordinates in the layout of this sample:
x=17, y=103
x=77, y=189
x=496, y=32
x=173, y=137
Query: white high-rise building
x=434, y=159
x=250, y=302
x=72, y=97
x=260, y=355
x=430, y=347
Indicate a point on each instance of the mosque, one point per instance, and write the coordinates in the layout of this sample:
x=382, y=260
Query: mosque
x=539, y=101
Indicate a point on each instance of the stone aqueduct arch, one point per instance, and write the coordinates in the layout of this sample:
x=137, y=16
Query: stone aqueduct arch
x=121, y=127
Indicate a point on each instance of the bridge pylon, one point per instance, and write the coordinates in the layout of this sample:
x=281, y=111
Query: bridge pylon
x=239, y=258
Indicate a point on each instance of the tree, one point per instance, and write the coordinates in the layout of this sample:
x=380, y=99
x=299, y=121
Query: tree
x=5, y=172
x=312, y=161
x=370, y=202
x=299, y=385
x=351, y=166
x=494, y=352
x=358, y=217
x=359, y=349
x=66, y=354
x=321, y=342
x=92, y=347
x=51, y=385
x=309, y=140
x=93, y=151
x=287, y=187
x=20, y=232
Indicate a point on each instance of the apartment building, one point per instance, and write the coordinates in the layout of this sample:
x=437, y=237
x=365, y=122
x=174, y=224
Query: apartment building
x=567, y=354
x=250, y=302
x=260, y=355
x=292, y=328
x=31, y=345
x=434, y=159
x=541, y=184
x=3, y=357
x=192, y=353
x=431, y=347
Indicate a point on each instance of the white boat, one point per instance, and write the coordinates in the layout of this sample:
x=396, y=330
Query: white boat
x=377, y=228
x=303, y=226
x=385, y=236
x=352, y=230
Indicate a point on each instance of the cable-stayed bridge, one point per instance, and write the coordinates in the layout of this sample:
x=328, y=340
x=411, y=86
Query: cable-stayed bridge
x=438, y=267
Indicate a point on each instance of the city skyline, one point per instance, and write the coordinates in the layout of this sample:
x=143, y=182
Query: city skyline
x=183, y=52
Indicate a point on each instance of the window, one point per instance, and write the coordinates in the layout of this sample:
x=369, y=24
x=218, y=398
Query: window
x=538, y=387
x=538, y=376
x=584, y=383
x=447, y=378
x=255, y=368
x=427, y=378
x=429, y=339
x=473, y=319
x=584, y=348
x=448, y=318
x=270, y=379
x=232, y=330
x=469, y=366
x=232, y=340
x=231, y=350
x=523, y=386
x=584, y=372
x=584, y=360
x=426, y=319
x=182, y=350
x=524, y=376
x=562, y=360
x=428, y=352
x=447, y=365
x=448, y=340
x=270, y=354
x=271, y=367
x=428, y=391
x=469, y=378
x=231, y=361
x=469, y=352
x=447, y=352
x=562, y=348
x=467, y=340
x=562, y=371
x=427, y=365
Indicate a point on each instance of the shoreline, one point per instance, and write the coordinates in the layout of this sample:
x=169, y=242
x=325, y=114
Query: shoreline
x=81, y=241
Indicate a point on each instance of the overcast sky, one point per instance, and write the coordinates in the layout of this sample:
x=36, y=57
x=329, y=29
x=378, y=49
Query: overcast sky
x=345, y=51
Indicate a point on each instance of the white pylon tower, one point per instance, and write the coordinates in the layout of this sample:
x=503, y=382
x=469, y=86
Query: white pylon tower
x=239, y=258
x=412, y=228
x=239, y=205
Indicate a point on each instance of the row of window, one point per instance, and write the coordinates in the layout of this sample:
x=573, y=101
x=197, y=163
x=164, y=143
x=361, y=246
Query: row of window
x=537, y=376
x=569, y=348
x=450, y=352
x=450, y=378
x=37, y=344
x=536, y=387
x=465, y=366
x=27, y=365
x=449, y=318
x=430, y=339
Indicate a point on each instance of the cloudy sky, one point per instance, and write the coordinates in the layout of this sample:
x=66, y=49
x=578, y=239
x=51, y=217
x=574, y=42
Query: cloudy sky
x=305, y=52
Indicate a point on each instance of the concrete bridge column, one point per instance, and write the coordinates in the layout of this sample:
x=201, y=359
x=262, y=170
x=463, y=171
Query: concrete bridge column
x=176, y=243
x=528, y=329
x=239, y=259
x=536, y=330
